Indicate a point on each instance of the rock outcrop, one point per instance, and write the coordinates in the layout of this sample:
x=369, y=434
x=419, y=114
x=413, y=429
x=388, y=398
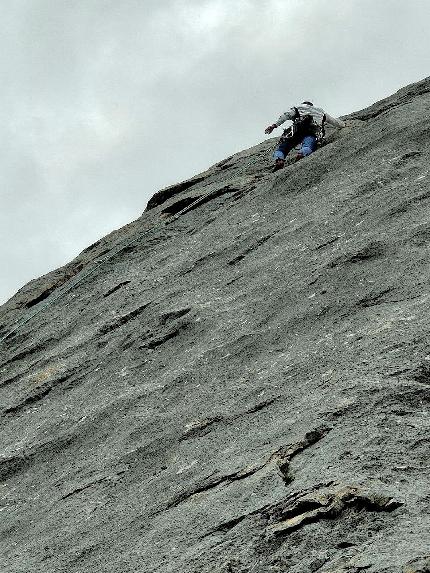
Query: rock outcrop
x=242, y=388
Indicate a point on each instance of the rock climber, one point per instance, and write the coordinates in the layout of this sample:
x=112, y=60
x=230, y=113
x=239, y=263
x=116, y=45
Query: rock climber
x=307, y=131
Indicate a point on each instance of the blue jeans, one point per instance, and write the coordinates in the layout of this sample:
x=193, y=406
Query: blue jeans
x=309, y=145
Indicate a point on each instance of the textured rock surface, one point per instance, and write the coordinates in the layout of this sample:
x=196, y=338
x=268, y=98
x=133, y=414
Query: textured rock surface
x=243, y=389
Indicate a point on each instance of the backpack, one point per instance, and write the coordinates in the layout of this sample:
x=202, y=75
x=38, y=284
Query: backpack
x=305, y=125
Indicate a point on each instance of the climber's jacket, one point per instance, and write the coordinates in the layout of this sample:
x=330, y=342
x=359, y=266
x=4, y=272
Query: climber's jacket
x=319, y=116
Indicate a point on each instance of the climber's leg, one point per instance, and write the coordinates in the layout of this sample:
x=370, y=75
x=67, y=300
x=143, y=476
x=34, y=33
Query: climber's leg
x=309, y=145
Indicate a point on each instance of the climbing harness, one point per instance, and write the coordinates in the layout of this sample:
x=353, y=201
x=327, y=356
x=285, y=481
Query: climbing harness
x=85, y=273
x=303, y=125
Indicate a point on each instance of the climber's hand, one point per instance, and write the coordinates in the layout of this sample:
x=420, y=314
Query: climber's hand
x=270, y=128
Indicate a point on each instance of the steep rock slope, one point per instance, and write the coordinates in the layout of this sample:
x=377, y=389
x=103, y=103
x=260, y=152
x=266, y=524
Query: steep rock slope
x=244, y=388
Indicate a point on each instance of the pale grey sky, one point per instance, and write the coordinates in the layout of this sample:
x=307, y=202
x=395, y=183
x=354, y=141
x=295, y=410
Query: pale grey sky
x=103, y=102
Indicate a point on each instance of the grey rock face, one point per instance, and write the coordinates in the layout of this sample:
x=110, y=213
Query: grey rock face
x=243, y=388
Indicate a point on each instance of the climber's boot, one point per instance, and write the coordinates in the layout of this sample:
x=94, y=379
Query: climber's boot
x=279, y=164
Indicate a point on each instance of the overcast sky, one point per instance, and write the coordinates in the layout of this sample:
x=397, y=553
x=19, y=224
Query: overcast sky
x=103, y=102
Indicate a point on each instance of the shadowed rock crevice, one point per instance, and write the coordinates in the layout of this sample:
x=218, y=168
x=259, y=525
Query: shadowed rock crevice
x=165, y=194
x=154, y=333
x=109, y=479
x=174, y=314
x=324, y=503
x=327, y=243
x=13, y=465
x=31, y=350
x=54, y=286
x=374, y=299
x=35, y=396
x=115, y=288
x=156, y=341
x=42, y=296
x=225, y=163
x=181, y=204
x=200, y=428
x=410, y=203
x=280, y=459
x=210, y=485
x=46, y=379
x=420, y=235
x=406, y=158
x=122, y=320
x=188, y=204
x=419, y=565
x=373, y=250
x=287, y=453
x=250, y=249
x=422, y=373
x=261, y=406
x=12, y=380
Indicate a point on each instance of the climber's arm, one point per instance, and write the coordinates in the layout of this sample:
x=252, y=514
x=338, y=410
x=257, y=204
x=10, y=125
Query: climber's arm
x=333, y=121
x=291, y=114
